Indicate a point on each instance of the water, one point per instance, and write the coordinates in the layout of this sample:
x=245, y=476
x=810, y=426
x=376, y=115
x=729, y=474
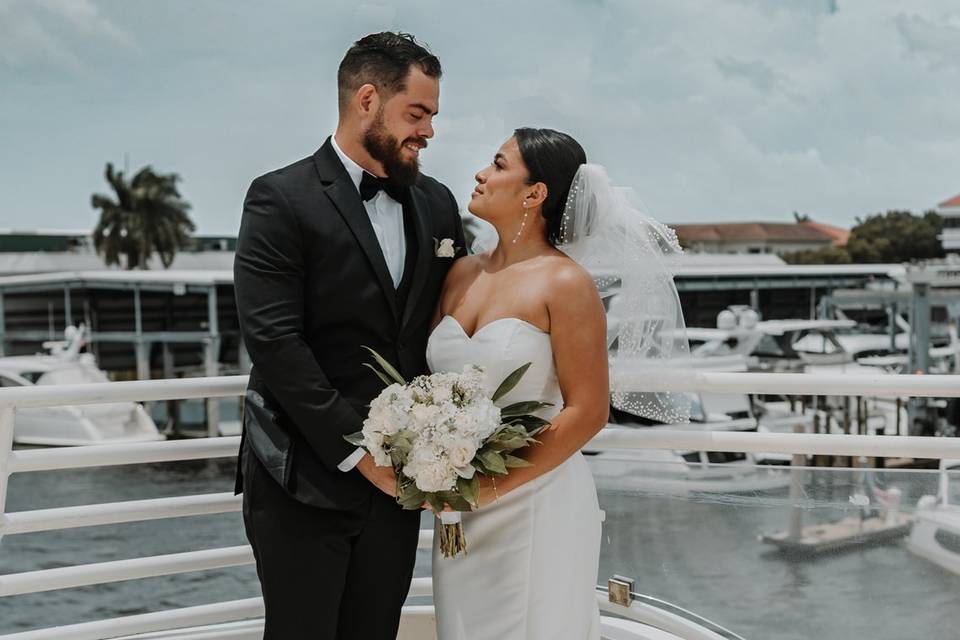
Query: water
x=706, y=557
x=698, y=551
x=113, y=542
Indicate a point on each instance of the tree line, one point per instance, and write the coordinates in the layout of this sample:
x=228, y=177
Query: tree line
x=891, y=237
x=146, y=215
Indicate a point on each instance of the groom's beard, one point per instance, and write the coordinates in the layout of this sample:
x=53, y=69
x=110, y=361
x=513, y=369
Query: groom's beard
x=385, y=149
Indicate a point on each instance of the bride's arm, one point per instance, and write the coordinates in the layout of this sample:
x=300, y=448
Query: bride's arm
x=578, y=334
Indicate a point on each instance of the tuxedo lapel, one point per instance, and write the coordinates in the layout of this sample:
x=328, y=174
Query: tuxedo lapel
x=425, y=251
x=346, y=199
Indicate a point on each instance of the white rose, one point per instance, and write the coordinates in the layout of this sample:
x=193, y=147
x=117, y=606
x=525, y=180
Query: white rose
x=442, y=393
x=461, y=453
x=435, y=476
x=472, y=381
x=373, y=442
x=425, y=415
x=479, y=419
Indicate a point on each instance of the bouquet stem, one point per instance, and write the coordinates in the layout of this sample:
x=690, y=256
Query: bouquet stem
x=452, y=540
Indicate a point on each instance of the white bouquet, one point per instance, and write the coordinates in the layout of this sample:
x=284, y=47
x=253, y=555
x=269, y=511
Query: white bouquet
x=439, y=432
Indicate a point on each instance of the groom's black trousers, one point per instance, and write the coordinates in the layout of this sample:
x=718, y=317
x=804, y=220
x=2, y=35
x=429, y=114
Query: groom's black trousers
x=328, y=574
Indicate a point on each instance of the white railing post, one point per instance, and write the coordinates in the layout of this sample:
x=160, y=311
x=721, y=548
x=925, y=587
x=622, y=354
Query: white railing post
x=7, y=413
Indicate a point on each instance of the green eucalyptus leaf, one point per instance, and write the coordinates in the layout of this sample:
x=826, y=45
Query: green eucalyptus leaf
x=492, y=461
x=482, y=468
x=356, y=439
x=513, y=462
x=436, y=502
x=532, y=433
x=531, y=423
x=518, y=409
x=511, y=432
x=386, y=366
x=510, y=382
x=513, y=444
x=410, y=497
x=531, y=429
x=456, y=501
x=469, y=489
x=386, y=381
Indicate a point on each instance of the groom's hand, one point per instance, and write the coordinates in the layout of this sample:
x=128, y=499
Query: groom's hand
x=383, y=478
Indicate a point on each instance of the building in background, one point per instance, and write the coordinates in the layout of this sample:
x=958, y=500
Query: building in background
x=759, y=237
x=950, y=210
x=30, y=251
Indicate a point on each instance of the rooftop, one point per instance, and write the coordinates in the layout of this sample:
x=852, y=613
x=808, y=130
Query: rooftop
x=754, y=231
x=31, y=262
x=701, y=266
x=952, y=203
x=839, y=234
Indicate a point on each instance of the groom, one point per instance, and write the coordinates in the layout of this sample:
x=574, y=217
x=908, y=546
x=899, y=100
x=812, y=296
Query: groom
x=336, y=252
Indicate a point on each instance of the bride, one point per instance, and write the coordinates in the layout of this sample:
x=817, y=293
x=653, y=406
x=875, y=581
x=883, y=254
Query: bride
x=531, y=565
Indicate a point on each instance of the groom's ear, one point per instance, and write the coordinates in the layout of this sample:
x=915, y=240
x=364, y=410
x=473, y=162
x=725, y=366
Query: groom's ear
x=366, y=101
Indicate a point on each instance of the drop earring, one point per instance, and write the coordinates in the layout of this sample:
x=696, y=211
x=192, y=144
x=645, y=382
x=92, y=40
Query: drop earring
x=523, y=223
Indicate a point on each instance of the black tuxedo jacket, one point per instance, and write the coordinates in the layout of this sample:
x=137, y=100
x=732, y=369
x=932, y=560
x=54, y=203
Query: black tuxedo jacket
x=313, y=288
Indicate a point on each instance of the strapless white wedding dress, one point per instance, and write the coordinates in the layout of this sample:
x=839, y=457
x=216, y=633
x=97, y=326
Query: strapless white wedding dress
x=530, y=570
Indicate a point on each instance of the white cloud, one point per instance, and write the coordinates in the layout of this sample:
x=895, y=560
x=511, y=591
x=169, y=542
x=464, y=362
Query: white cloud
x=747, y=110
x=52, y=31
x=23, y=40
x=711, y=110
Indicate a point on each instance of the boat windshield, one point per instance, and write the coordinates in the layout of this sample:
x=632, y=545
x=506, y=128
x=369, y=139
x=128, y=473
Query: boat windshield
x=816, y=342
x=770, y=347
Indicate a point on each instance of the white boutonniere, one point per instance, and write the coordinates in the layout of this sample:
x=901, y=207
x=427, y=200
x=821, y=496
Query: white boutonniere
x=444, y=248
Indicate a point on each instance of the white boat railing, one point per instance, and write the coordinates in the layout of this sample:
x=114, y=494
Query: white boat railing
x=24, y=461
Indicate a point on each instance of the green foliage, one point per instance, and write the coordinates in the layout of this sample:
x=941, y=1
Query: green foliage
x=387, y=368
x=517, y=430
x=896, y=236
x=492, y=462
x=510, y=382
x=356, y=438
x=470, y=489
x=513, y=462
x=147, y=215
x=522, y=408
x=408, y=495
x=891, y=237
x=383, y=377
x=823, y=255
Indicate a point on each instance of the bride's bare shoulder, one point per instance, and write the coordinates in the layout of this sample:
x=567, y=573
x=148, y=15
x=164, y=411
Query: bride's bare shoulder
x=566, y=275
x=467, y=267
x=571, y=292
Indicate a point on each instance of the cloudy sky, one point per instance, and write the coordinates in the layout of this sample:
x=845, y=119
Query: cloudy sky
x=712, y=110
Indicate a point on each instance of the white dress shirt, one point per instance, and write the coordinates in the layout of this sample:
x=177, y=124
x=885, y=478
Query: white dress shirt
x=386, y=216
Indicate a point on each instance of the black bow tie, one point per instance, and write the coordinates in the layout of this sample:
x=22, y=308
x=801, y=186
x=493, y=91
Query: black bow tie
x=370, y=186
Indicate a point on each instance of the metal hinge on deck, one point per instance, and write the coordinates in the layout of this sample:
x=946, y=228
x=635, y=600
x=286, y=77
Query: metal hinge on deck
x=620, y=590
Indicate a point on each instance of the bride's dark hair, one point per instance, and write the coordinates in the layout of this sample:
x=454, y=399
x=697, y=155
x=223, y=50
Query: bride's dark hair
x=552, y=158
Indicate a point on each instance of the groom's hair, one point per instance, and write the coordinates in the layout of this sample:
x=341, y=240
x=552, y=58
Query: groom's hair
x=383, y=60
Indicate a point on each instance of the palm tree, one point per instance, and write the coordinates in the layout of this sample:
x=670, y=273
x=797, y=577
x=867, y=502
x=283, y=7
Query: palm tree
x=147, y=215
